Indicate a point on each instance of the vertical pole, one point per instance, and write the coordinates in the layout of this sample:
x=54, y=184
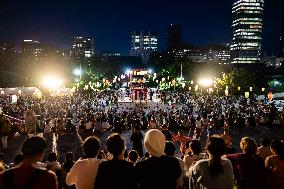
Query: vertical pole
x=181, y=70
x=80, y=71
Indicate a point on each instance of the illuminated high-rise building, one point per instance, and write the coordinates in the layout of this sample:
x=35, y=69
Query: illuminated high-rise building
x=143, y=42
x=247, y=31
x=83, y=47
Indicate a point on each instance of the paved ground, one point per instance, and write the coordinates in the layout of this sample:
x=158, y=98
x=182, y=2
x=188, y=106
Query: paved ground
x=72, y=142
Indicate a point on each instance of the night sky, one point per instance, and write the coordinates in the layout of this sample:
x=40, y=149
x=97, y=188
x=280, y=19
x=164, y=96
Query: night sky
x=110, y=22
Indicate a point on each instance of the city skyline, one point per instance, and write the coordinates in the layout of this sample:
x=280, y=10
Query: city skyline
x=110, y=23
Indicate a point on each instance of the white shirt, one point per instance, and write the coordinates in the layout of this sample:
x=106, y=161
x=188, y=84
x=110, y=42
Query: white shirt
x=83, y=173
x=201, y=175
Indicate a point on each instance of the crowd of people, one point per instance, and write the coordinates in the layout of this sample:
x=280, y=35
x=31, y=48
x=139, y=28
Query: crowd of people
x=211, y=167
x=99, y=111
x=152, y=162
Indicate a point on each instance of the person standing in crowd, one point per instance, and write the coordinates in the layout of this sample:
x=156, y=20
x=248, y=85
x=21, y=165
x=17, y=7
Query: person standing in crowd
x=115, y=173
x=136, y=139
x=264, y=150
x=84, y=171
x=30, y=121
x=249, y=167
x=275, y=164
x=157, y=171
x=181, y=139
x=26, y=175
x=215, y=172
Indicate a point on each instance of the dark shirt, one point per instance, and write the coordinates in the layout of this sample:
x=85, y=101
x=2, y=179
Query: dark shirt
x=115, y=174
x=249, y=170
x=21, y=175
x=156, y=173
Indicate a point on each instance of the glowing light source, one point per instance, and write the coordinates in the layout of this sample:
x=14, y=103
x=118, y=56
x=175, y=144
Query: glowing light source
x=205, y=82
x=52, y=82
x=128, y=71
x=77, y=72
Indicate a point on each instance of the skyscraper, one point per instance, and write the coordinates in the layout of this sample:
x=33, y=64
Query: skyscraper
x=143, y=43
x=281, y=53
x=247, y=31
x=174, y=35
x=83, y=47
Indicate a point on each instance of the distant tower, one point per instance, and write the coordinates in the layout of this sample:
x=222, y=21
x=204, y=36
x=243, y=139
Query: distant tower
x=83, y=47
x=281, y=53
x=247, y=31
x=174, y=35
x=143, y=43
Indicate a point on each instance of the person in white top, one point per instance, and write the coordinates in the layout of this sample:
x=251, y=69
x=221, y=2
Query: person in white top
x=215, y=172
x=84, y=171
x=193, y=154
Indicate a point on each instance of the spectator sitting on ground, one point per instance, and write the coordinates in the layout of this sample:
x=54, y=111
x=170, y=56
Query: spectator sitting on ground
x=26, y=175
x=249, y=167
x=52, y=163
x=157, y=171
x=193, y=154
x=215, y=172
x=264, y=150
x=84, y=171
x=275, y=164
x=170, y=150
x=115, y=173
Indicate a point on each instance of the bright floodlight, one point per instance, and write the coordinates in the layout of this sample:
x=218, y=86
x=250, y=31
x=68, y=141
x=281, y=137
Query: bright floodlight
x=127, y=71
x=52, y=82
x=150, y=71
x=77, y=72
x=205, y=82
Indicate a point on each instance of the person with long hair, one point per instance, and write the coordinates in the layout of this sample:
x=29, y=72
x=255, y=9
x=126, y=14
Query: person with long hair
x=275, y=164
x=215, y=172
